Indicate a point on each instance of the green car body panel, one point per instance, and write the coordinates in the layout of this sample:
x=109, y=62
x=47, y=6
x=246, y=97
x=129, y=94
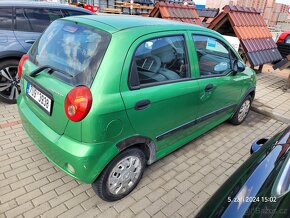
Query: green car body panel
x=180, y=112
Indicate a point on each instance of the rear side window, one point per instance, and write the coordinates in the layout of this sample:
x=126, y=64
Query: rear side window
x=287, y=39
x=35, y=19
x=158, y=60
x=5, y=18
x=213, y=56
x=73, y=13
x=73, y=49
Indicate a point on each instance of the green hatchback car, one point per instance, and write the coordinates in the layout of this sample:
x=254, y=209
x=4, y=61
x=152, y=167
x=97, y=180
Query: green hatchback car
x=104, y=96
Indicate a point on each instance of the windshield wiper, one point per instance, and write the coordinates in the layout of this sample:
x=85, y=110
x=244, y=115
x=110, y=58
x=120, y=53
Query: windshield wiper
x=50, y=71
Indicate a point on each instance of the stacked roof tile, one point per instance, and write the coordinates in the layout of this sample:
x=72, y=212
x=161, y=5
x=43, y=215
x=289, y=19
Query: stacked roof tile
x=207, y=12
x=206, y=15
x=178, y=12
x=249, y=26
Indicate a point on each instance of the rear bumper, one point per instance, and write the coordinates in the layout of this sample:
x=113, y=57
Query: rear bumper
x=87, y=159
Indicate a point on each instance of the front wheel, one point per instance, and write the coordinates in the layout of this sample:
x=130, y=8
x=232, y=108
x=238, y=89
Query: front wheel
x=121, y=175
x=9, y=82
x=242, y=111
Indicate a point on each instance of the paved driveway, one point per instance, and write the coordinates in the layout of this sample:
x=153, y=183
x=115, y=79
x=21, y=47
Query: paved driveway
x=176, y=186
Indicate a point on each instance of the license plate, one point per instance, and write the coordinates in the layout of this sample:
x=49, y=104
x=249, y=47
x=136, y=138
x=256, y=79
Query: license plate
x=39, y=98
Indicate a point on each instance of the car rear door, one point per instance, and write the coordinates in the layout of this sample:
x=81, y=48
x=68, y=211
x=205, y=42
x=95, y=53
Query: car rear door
x=220, y=87
x=161, y=97
x=31, y=22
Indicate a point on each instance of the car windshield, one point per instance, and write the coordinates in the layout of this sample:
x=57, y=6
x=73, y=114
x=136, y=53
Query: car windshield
x=72, y=48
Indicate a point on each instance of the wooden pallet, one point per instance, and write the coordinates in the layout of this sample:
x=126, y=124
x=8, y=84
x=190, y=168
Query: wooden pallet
x=112, y=10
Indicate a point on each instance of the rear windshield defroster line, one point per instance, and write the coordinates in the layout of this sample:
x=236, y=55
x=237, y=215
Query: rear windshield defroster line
x=72, y=48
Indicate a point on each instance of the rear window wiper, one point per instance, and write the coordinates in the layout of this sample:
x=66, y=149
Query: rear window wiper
x=50, y=71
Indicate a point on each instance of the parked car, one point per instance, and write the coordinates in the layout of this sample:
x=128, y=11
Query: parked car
x=83, y=4
x=283, y=43
x=260, y=187
x=20, y=24
x=102, y=96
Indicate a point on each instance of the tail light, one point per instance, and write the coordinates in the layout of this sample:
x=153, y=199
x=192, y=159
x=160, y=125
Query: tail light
x=78, y=103
x=20, y=65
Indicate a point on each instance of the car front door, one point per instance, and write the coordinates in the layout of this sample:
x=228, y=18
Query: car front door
x=159, y=93
x=220, y=86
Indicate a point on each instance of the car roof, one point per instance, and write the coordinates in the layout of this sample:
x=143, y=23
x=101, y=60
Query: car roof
x=41, y=4
x=116, y=23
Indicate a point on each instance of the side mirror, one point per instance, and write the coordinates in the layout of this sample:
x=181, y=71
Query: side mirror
x=221, y=67
x=256, y=145
x=238, y=66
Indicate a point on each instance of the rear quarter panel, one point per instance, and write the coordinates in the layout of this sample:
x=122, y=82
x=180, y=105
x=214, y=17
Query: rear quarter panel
x=108, y=120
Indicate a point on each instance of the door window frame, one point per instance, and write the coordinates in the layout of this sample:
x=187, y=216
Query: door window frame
x=38, y=8
x=12, y=17
x=231, y=54
x=133, y=77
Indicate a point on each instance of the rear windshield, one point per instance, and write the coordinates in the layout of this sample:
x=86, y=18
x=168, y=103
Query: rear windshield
x=74, y=50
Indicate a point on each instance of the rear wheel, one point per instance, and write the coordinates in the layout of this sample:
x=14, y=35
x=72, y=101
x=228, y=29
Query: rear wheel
x=9, y=82
x=242, y=111
x=121, y=175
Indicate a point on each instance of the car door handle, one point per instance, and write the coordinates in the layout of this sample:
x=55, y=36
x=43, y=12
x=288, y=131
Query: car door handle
x=209, y=87
x=140, y=105
x=30, y=41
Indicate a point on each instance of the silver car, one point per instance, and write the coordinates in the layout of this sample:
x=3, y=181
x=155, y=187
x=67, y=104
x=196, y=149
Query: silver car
x=21, y=23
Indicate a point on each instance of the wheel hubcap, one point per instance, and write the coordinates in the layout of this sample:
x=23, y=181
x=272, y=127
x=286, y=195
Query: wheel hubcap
x=244, y=110
x=124, y=175
x=9, y=83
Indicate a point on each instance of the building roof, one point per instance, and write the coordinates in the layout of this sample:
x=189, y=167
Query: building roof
x=178, y=12
x=206, y=15
x=207, y=12
x=248, y=25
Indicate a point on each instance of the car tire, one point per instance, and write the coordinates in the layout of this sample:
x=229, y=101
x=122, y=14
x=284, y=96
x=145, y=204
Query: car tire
x=242, y=111
x=126, y=169
x=9, y=83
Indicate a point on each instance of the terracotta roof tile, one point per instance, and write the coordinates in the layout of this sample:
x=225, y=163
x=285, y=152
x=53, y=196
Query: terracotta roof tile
x=249, y=26
x=265, y=56
x=251, y=45
x=183, y=13
x=237, y=8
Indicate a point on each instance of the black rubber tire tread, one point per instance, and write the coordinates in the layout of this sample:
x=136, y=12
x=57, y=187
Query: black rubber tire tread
x=234, y=120
x=99, y=185
x=3, y=64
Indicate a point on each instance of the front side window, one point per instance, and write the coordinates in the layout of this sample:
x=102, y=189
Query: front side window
x=160, y=60
x=35, y=19
x=213, y=56
x=287, y=39
x=5, y=18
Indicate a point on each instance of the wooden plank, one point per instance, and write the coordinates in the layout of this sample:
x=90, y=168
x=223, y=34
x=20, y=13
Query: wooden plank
x=111, y=10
